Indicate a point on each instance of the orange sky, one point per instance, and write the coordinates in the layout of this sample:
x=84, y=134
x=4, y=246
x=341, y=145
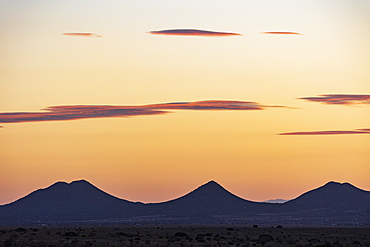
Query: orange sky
x=151, y=117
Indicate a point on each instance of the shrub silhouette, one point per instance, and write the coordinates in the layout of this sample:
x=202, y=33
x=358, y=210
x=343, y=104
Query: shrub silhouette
x=9, y=242
x=200, y=238
x=264, y=238
x=70, y=234
x=21, y=229
x=181, y=234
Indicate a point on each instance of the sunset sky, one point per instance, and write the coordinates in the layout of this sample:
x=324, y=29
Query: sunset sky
x=149, y=99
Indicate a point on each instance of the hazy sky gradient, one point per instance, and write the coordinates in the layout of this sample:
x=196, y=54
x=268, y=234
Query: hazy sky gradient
x=155, y=158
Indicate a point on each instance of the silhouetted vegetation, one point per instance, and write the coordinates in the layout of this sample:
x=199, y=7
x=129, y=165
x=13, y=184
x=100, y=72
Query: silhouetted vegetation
x=184, y=236
x=70, y=234
x=264, y=238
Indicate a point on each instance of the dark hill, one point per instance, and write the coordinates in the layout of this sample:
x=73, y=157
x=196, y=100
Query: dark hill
x=83, y=203
x=333, y=195
x=61, y=201
x=211, y=199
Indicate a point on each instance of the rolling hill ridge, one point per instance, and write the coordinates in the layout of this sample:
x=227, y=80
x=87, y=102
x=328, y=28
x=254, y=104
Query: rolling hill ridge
x=81, y=202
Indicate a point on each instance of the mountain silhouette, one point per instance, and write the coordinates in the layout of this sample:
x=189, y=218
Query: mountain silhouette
x=334, y=196
x=211, y=199
x=80, y=202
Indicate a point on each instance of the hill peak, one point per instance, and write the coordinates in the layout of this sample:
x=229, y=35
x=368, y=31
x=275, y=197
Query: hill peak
x=338, y=184
x=332, y=183
x=65, y=185
x=60, y=183
x=214, y=190
x=211, y=186
x=211, y=183
x=80, y=182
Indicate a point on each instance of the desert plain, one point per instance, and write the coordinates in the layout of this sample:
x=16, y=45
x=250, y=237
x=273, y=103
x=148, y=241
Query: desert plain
x=190, y=235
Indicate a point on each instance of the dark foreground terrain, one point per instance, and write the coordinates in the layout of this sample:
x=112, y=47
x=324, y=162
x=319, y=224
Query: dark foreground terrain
x=183, y=236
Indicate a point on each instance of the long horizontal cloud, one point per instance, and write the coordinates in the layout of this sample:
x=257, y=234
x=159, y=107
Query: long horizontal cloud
x=83, y=34
x=61, y=113
x=364, y=129
x=74, y=112
x=341, y=99
x=279, y=32
x=193, y=32
x=212, y=105
x=330, y=132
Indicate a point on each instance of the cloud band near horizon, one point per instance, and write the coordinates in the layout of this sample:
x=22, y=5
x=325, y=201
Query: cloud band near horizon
x=83, y=34
x=340, y=99
x=330, y=132
x=75, y=112
x=193, y=32
x=282, y=32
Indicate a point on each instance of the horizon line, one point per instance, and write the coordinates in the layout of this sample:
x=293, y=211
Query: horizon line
x=202, y=185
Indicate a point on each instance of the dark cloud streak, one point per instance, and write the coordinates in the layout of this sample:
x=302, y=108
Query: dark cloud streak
x=363, y=129
x=193, y=32
x=284, y=33
x=211, y=105
x=341, y=99
x=75, y=112
x=329, y=132
x=83, y=34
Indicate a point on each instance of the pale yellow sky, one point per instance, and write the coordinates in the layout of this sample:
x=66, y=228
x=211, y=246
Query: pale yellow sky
x=159, y=157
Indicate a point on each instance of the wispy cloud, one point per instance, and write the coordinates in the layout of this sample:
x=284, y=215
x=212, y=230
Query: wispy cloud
x=193, y=32
x=74, y=112
x=83, y=34
x=212, y=105
x=341, y=99
x=364, y=129
x=282, y=32
x=63, y=113
x=330, y=132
